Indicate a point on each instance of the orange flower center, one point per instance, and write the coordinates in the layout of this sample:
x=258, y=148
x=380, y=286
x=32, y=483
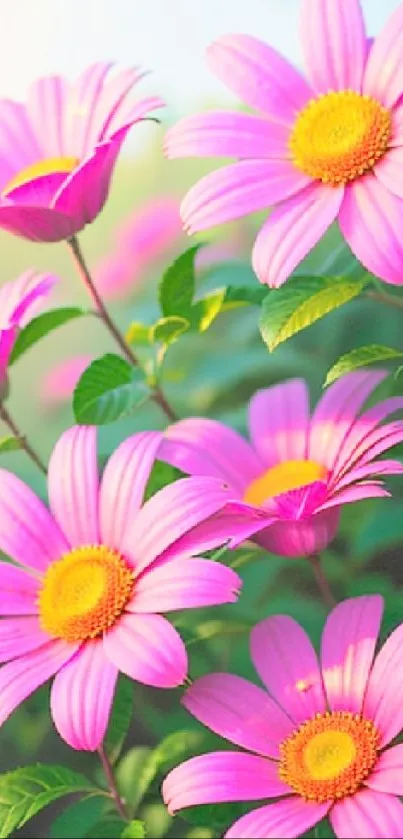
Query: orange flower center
x=84, y=593
x=330, y=756
x=340, y=136
x=49, y=166
x=292, y=474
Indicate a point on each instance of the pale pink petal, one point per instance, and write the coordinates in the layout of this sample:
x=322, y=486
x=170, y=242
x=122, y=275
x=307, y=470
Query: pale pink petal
x=28, y=532
x=227, y=134
x=287, y=664
x=348, y=646
x=18, y=591
x=19, y=636
x=147, y=648
x=334, y=44
x=82, y=695
x=361, y=429
x=239, y=711
x=73, y=485
x=8, y=338
x=239, y=189
x=292, y=230
x=47, y=100
x=260, y=76
x=184, y=584
x=384, y=697
x=288, y=819
x=81, y=107
x=387, y=776
x=18, y=145
x=372, y=445
x=389, y=171
x=368, y=813
x=370, y=470
x=38, y=224
x=397, y=126
x=383, y=77
x=207, y=447
x=363, y=490
x=21, y=298
x=109, y=106
x=58, y=384
x=293, y=537
x=221, y=776
x=279, y=420
x=134, y=113
x=21, y=677
x=123, y=484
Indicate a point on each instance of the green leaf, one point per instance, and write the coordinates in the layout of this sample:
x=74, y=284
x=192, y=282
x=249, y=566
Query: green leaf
x=243, y=296
x=361, y=357
x=216, y=817
x=301, y=302
x=167, y=330
x=108, y=828
x=77, y=819
x=161, y=475
x=205, y=310
x=134, y=830
x=138, y=334
x=10, y=444
x=24, y=792
x=41, y=326
x=120, y=719
x=214, y=628
x=177, y=285
x=108, y=390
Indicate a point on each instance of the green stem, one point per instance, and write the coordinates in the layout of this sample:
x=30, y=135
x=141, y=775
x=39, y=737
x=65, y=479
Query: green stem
x=25, y=444
x=322, y=581
x=387, y=299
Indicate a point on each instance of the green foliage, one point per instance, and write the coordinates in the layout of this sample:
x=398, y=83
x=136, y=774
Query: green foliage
x=162, y=474
x=41, y=326
x=9, y=444
x=133, y=830
x=138, y=334
x=361, y=357
x=177, y=285
x=110, y=827
x=110, y=388
x=78, y=819
x=120, y=718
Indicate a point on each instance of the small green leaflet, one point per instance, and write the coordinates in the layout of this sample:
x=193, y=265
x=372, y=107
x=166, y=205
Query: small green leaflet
x=110, y=388
x=138, y=334
x=10, y=444
x=361, y=357
x=41, y=326
x=133, y=830
x=177, y=286
x=167, y=330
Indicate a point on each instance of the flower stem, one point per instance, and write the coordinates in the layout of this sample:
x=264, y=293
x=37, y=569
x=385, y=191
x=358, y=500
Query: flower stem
x=110, y=778
x=387, y=299
x=110, y=325
x=25, y=444
x=322, y=581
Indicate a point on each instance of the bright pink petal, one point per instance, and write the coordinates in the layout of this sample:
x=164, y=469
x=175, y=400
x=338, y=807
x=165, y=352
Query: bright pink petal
x=21, y=298
x=227, y=134
x=389, y=171
x=81, y=107
x=19, y=636
x=185, y=584
x=47, y=100
x=365, y=489
x=353, y=444
x=287, y=664
x=239, y=189
x=383, y=74
x=293, y=537
x=387, y=775
x=8, y=338
x=384, y=697
x=288, y=819
x=21, y=677
x=260, y=76
x=38, y=224
x=207, y=447
x=368, y=813
x=82, y=695
x=372, y=445
x=278, y=422
x=147, y=648
x=18, y=591
x=28, y=532
x=374, y=469
x=239, y=711
x=221, y=776
x=334, y=44
x=59, y=382
x=73, y=485
x=348, y=646
x=292, y=230
x=123, y=484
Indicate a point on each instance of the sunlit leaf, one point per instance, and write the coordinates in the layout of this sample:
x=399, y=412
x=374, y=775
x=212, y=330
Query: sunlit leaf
x=10, y=444
x=108, y=389
x=138, y=334
x=361, y=357
x=41, y=326
x=167, y=330
x=133, y=830
x=177, y=286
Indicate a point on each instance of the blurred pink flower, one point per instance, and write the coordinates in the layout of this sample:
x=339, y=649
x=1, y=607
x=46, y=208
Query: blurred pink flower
x=59, y=383
x=298, y=470
x=318, y=738
x=324, y=148
x=58, y=152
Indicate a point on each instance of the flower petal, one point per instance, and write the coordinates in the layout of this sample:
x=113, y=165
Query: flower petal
x=368, y=813
x=18, y=145
x=387, y=776
x=47, y=99
x=147, y=648
x=239, y=711
x=292, y=230
x=185, y=584
x=383, y=74
x=348, y=646
x=293, y=537
x=365, y=489
x=389, y=171
x=384, y=697
x=287, y=664
x=334, y=44
x=221, y=776
x=73, y=485
x=110, y=112
x=38, y=224
x=19, y=636
x=20, y=299
x=374, y=469
x=82, y=696
x=123, y=484
x=288, y=818
x=18, y=591
x=279, y=420
x=227, y=134
x=82, y=105
x=239, y=189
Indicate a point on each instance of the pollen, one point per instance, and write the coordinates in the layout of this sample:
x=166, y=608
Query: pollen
x=292, y=474
x=330, y=756
x=84, y=593
x=48, y=166
x=340, y=136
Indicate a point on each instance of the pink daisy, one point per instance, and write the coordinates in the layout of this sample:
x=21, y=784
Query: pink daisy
x=20, y=301
x=58, y=152
x=298, y=470
x=320, y=737
x=94, y=574
x=326, y=147
x=60, y=381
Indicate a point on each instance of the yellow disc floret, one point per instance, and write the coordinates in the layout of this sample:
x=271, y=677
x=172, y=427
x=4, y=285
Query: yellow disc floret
x=292, y=474
x=84, y=593
x=48, y=166
x=339, y=136
x=330, y=756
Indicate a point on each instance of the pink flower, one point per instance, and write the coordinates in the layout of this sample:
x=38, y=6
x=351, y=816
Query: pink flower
x=94, y=574
x=323, y=148
x=319, y=738
x=58, y=152
x=298, y=470
x=20, y=301
x=60, y=381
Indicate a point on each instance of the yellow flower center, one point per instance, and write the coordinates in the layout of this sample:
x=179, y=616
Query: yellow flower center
x=49, y=166
x=84, y=593
x=330, y=756
x=292, y=474
x=340, y=136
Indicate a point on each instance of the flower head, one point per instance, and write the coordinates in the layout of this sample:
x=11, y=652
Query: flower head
x=318, y=738
x=95, y=573
x=58, y=151
x=298, y=470
x=326, y=147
